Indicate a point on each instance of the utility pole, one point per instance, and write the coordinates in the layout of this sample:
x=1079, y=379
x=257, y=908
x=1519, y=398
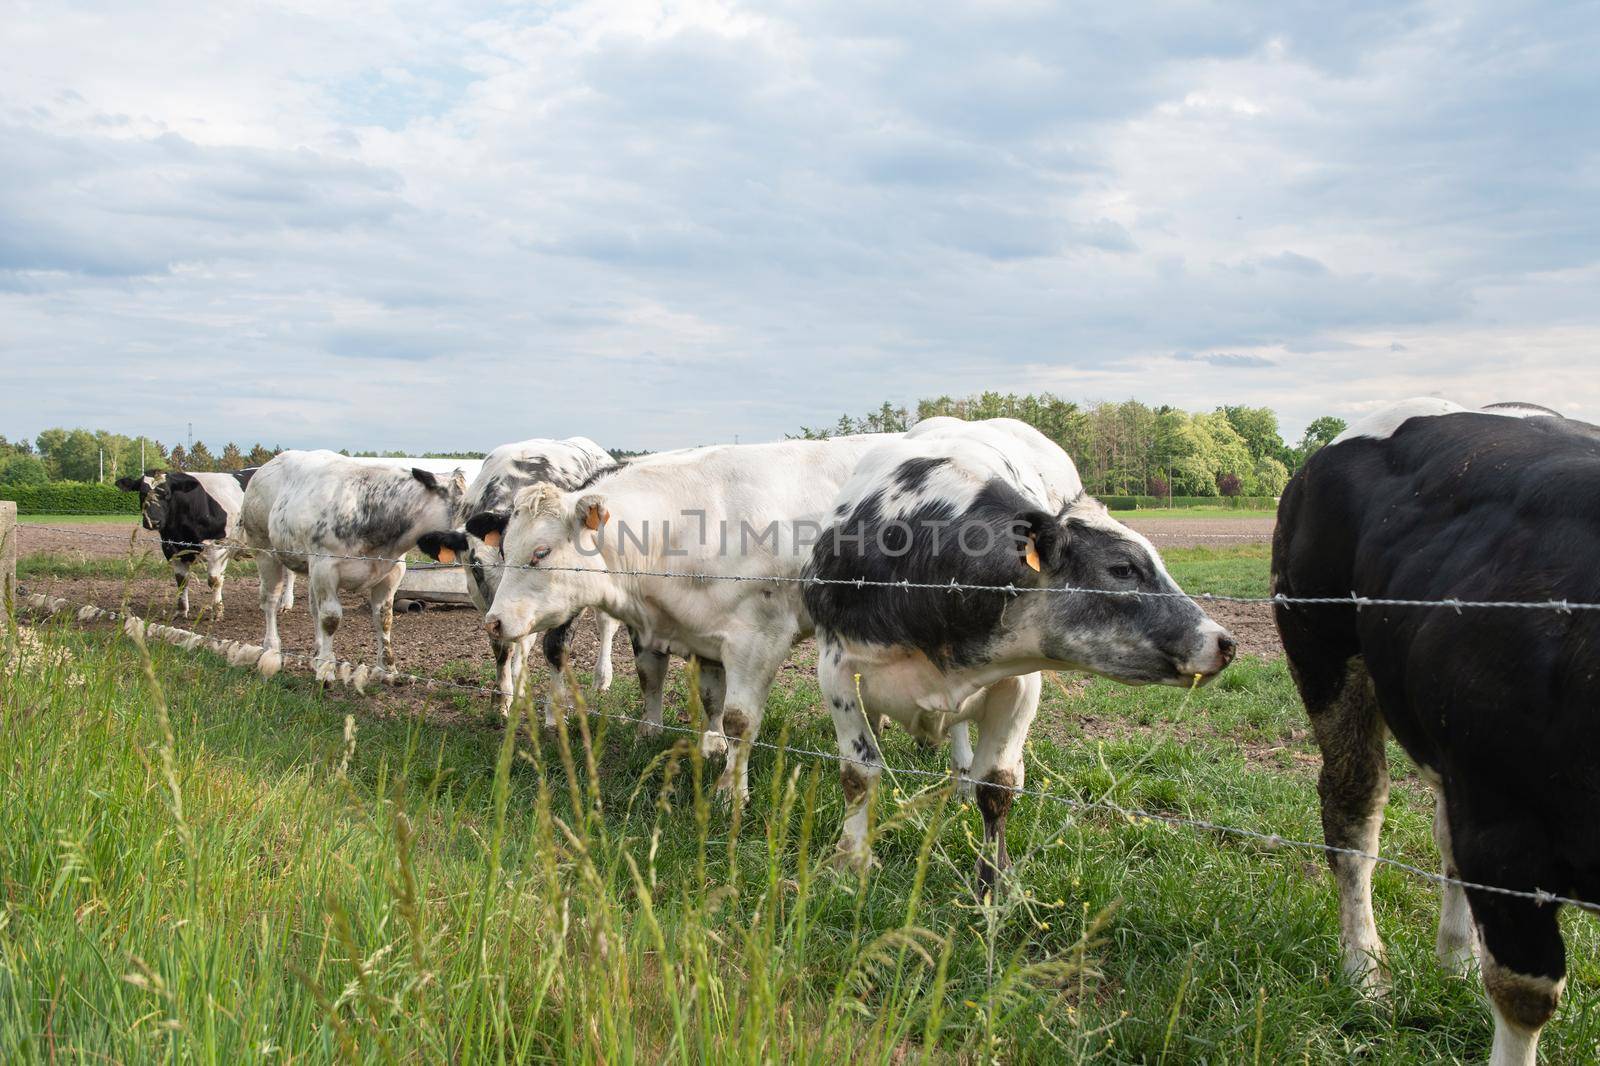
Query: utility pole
x=191, y=436
x=141, y=455
x=102, y=464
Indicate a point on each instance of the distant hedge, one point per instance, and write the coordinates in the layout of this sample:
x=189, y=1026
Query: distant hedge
x=71, y=497
x=1152, y=503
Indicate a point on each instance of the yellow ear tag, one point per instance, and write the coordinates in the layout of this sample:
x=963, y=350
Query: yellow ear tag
x=447, y=555
x=492, y=538
x=1033, y=554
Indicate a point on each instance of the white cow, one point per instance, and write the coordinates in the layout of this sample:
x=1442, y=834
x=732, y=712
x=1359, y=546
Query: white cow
x=742, y=515
x=507, y=470
x=347, y=525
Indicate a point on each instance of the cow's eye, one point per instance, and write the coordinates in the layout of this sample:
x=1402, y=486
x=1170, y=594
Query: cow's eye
x=540, y=553
x=1122, y=571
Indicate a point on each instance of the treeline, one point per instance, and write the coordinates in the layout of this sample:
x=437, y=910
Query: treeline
x=1131, y=448
x=87, y=455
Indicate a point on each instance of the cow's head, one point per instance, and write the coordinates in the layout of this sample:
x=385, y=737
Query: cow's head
x=550, y=542
x=152, y=496
x=440, y=497
x=1131, y=624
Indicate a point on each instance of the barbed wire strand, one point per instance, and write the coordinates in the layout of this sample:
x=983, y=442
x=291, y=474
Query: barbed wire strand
x=1351, y=599
x=345, y=670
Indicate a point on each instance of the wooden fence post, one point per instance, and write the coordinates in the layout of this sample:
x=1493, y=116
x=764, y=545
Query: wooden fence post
x=8, y=559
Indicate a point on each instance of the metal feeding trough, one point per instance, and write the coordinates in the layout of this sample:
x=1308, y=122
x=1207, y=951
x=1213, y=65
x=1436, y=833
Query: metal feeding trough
x=436, y=584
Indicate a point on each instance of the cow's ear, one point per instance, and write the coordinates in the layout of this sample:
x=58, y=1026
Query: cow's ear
x=591, y=511
x=443, y=544
x=130, y=484
x=427, y=479
x=489, y=526
x=1042, y=540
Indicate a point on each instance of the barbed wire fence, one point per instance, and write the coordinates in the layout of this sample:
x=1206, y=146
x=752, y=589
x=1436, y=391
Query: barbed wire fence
x=359, y=675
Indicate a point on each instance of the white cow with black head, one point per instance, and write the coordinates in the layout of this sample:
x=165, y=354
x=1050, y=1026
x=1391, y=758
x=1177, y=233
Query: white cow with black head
x=197, y=517
x=993, y=504
x=347, y=525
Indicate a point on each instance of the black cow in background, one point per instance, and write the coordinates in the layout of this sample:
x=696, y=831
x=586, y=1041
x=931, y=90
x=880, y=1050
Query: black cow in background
x=1498, y=707
x=197, y=516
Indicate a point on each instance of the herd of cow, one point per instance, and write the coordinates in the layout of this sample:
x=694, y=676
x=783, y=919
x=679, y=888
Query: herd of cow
x=942, y=569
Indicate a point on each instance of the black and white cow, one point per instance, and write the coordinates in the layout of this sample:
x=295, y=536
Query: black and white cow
x=197, y=517
x=346, y=524
x=989, y=504
x=507, y=470
x=1497, y=707
x=742, y=515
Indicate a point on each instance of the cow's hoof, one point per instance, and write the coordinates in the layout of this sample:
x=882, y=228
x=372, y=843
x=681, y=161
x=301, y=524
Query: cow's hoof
x=966, y=787
x=991, y=883
x=602, y=683
x=1368, y=971
x=649, y=729
x=851, y=859
x=712, y=744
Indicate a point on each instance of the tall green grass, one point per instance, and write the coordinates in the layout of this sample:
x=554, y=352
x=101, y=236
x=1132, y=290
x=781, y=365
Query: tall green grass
x=201, y=866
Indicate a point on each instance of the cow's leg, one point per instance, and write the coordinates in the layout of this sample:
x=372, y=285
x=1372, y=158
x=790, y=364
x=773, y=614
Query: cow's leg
x=287, y=602
x=323, y=580
x=275, y=579
x=607, y=627
x=961, y=760
x=180, y=575
x=862, y=761
x=1003, y=718
x=713, y=701
x=1524, y=959
x=1454, y=943
x=751, y=668
x=557, y=642
x=1354, y=786
x=216, y=570
x=651, y=667
x=380, y=600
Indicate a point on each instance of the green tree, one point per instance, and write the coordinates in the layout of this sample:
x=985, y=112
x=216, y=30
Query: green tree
x=178, y=459
x=1319, y=434
x=1258, y=426
x=20, y=469
x=200, y=457
x=260, y=456
x=70, y=454
x=232, y=458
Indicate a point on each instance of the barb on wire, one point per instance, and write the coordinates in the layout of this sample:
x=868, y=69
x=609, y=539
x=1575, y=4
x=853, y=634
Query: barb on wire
x=346, y=670
x=1352, y=599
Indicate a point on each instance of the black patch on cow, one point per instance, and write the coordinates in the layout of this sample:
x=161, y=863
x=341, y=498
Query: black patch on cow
x=243, y=476
x=597, y=475
x=951, y=628
x=376, y=514
x=426, y=478
x=557, y=641
x=912, y=474
x=483, y=523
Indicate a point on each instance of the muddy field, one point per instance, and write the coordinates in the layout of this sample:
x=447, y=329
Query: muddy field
x=446, y=642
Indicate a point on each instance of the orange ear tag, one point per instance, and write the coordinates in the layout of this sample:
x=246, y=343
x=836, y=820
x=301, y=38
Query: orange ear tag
x=597, y=517
x=447, y=555
x=492, y=538
x=1032, y=555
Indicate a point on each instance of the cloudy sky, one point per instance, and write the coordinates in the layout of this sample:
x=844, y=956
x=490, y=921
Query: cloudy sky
x=425, y=226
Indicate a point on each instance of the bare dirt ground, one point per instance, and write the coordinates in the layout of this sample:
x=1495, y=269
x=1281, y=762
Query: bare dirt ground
x=1202, y=532
x=88, y=540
